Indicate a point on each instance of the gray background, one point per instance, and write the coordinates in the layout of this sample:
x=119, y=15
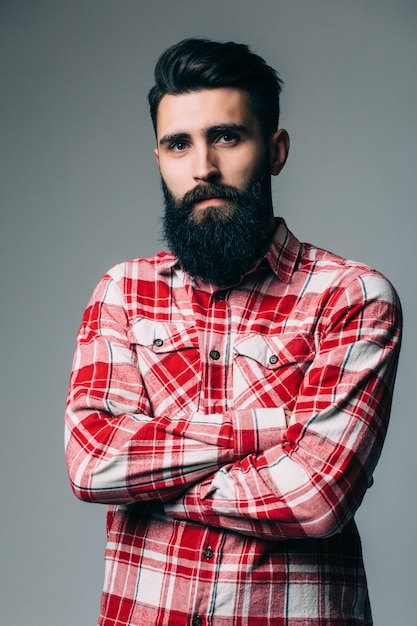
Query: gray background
x=80, y=191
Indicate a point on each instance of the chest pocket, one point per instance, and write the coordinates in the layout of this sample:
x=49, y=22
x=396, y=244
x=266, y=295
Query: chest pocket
x=169, y=361
x=268, y=370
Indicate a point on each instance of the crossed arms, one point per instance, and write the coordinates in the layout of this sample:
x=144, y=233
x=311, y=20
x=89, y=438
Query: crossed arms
x=268, y=472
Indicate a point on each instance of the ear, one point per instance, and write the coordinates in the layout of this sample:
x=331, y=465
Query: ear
x=279, y=148
x=156, y=153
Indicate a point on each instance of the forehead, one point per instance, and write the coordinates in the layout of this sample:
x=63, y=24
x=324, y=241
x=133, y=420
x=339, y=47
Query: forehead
x=200, y=110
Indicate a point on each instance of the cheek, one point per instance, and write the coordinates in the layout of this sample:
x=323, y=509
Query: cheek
x=244, y=176
x=176, y=179
x=249, y=166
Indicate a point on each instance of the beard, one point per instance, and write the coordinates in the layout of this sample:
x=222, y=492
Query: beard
x=221, y=243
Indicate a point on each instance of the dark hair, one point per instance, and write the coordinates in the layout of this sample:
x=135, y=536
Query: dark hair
x=195, y=64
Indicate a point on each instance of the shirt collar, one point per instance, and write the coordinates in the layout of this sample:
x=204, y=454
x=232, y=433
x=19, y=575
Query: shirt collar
x=282, y=254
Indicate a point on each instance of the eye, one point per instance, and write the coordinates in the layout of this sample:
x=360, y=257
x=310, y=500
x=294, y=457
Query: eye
x=228, y=138
x=178, y=146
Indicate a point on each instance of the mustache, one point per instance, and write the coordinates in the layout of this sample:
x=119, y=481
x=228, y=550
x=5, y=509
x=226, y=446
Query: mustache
x=210, y=190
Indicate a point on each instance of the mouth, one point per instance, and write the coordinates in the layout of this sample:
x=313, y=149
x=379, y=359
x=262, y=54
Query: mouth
x=210, y=202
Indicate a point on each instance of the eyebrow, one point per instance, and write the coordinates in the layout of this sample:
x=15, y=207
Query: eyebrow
x=172, y=138
x=212, y=130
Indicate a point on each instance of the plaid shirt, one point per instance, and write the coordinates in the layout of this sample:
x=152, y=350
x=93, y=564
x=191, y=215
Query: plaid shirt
x=221, y=514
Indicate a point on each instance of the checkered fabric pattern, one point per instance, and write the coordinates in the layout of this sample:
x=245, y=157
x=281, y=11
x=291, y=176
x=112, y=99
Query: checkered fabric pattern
x=221, y=514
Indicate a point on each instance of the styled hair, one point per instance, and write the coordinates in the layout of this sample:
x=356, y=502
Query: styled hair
x=196, y=64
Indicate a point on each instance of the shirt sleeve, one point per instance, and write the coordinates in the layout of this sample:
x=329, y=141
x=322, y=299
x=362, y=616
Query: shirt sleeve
x=116, y=450
x=311, y=483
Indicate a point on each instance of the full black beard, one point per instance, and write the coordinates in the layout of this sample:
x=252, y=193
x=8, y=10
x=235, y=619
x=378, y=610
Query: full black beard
x=223, y=243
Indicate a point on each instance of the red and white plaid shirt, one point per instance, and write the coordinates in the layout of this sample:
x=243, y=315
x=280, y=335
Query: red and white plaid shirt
x=219, y=513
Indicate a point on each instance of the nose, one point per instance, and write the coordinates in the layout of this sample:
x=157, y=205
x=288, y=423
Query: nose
x=206, y=167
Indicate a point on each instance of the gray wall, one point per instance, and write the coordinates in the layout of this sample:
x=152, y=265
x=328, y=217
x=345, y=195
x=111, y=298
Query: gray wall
x=80, y=191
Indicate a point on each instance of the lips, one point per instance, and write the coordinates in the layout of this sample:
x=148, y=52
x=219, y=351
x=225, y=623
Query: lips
x=211, y=201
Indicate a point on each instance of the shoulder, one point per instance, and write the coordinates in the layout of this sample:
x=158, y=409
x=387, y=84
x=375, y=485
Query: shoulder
x=123, y=282
x=141, y=268
x=338, y=274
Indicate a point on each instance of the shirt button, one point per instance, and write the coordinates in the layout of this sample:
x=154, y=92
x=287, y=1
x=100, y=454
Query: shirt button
x=197, y=621
x=215, y=355
x=158, y=343
x=273, y=359
x=208, y=553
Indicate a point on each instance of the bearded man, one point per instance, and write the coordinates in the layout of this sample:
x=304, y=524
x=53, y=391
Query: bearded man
x=229, y=399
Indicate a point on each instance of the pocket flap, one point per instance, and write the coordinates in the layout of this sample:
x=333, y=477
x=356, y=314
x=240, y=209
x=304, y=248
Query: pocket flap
x=274, y=351
x=163, y=336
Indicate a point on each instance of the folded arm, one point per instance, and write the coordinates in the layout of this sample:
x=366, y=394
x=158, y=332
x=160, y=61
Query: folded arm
x=117, y=451
x=312, y=482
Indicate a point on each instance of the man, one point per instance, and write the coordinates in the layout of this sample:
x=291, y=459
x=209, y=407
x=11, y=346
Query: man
x=229, y=399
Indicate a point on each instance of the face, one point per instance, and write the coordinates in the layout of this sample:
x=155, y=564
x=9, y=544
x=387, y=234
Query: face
x=216, y=166
x=208, y=136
